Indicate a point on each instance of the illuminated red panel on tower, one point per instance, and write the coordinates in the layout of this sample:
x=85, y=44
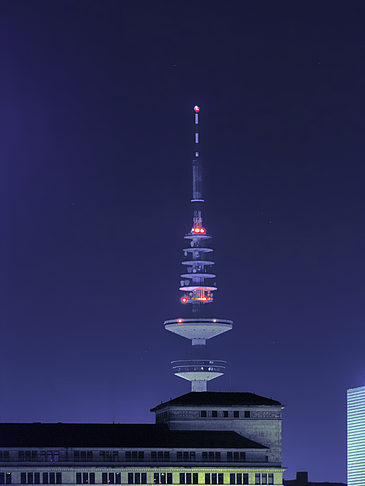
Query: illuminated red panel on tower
x=196, y=109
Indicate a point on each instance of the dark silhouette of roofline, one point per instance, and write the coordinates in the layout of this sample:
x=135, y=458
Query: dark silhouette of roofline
x=118, y=435
x=225, y=399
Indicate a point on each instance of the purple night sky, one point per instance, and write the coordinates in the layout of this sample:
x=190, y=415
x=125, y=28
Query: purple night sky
x=96, y=120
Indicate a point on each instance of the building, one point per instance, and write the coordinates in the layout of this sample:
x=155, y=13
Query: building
x=356, y=436
x=198, y=438
x=302, y=480
x=201, y=437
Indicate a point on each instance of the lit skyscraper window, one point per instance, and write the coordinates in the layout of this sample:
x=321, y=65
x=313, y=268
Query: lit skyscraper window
x=356, y=436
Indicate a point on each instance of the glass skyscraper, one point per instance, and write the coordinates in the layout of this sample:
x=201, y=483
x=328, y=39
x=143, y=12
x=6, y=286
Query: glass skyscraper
x=356, y=436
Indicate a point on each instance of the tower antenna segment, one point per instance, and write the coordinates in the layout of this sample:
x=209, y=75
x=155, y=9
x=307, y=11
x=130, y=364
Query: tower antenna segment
x=197, y=287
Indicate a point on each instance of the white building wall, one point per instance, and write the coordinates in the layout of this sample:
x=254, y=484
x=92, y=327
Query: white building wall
x=263, y=425
x=356, y=436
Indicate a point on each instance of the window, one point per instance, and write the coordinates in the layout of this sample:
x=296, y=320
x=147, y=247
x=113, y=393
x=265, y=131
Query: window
x=225, y=413
x=205, y=456
x=78, y=478
x=52, y=478
x=8, y=478
x=111, y=478
x=128, y=455
x=186, y=456
x=245, y=478
x=239, y=478
x=21, y=455
x=140, y=455
x=104, y=478
x=195, y=478
x=271, y=478
x=214, y=478
x=45, y=478
x=257, y=478
x=37, y=478
x=30, y=478
x=232, y=478
x=130, y=478
x=236, y=414
x=92, y=478
x=153, y=455
x=85, y=478
x=220, y=478
x=162, y=478
x=214, y=413
x=169, y=478
x=144, y=478
x=192, y=455
x=263, y=478
x=207, y=478
x=156, y=478
x=23, y=478
x=217, y=456
x=211, y=456
x=160, y=455
x=179, y=456
x=242, y=456
x=137, y=478
x=203, y=413
x=118, y=478
x=247, y=414
x=229, y=456
x=5, y=455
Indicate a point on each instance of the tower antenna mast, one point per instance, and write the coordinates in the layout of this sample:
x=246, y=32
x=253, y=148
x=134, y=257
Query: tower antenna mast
x=198, y=289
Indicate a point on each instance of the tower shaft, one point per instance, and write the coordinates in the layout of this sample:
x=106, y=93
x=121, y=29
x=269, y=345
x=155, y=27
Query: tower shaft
x=198, y=286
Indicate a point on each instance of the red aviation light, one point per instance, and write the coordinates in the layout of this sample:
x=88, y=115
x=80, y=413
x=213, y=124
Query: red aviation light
x=214, y=320
x=196, y=109
x=198, y=230
x=180, y=321
x=184, y=299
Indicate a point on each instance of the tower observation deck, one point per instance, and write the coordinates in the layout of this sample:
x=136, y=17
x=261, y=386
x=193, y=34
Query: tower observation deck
x=198, y=285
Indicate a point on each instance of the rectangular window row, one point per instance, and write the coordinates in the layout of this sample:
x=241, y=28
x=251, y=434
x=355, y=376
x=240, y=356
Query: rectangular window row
x=5, y=478
x=162, y=478
x=214, y=478
x=111, y=478
x=189, y=478
x=236, y=456
x=44, y=456
x=137, y=478
x=264, y=478
x=238, y=478
x=4, y=455
x=35, y=478
x=225, y=414
x=85, y=478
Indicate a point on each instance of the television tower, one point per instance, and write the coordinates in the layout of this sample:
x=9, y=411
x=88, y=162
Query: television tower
x=197, y=287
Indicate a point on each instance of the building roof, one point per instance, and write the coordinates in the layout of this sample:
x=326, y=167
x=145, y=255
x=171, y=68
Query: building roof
x=117, y=435
x=223, y=399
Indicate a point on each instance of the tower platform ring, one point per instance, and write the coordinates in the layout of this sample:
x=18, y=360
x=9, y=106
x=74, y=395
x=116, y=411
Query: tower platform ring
x=198, y=330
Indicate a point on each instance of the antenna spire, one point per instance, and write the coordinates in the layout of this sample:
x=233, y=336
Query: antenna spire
x=198, y=286
x=197, y=169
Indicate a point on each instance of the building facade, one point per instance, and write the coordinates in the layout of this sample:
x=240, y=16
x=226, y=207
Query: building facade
x=356, y=436
x=199, y=438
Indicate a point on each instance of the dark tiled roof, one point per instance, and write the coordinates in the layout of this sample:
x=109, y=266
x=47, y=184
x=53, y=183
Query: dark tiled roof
x=117, y=435
x=224, y=399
